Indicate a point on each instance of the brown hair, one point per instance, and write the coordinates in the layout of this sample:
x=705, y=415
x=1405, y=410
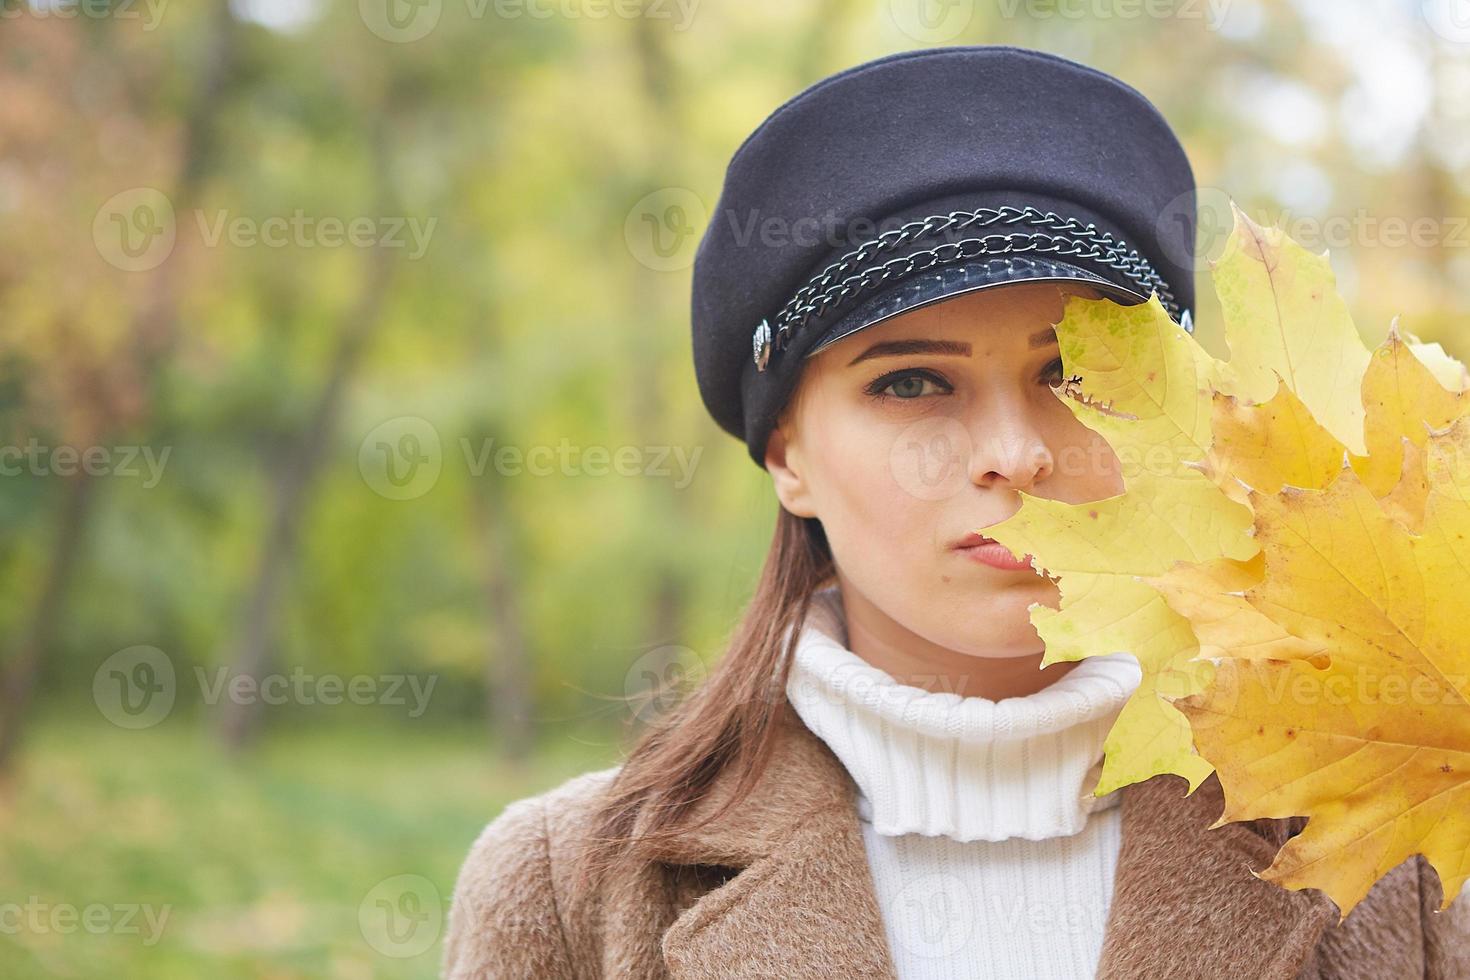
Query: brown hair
x=728, y=723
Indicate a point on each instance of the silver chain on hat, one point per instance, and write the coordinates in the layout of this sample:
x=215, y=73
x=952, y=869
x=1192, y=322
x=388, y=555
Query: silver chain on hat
x=1060, y=236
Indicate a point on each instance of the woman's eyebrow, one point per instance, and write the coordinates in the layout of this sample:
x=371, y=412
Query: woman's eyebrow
x=895, y=348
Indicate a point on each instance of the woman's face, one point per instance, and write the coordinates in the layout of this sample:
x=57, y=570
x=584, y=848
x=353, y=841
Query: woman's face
x=906, y=436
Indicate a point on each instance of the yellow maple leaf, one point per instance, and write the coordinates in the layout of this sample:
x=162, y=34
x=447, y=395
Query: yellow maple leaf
x=1374, y=747
x=1147, y=388
x=1403, y=400
x=1287, y=555
x=1157, y=397
x=1284, y=318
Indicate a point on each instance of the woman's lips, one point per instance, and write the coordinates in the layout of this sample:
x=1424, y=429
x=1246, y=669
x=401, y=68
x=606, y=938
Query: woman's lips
x=992, y=553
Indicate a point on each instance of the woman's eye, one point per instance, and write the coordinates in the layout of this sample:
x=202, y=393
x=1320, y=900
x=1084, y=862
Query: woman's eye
x=907, y=385
x=1053, y=372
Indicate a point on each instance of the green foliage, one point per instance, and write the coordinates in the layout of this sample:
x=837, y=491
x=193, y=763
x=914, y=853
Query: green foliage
x=529, y=320
x=254, y=868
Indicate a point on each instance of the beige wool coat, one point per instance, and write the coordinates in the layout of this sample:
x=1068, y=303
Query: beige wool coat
x=780, y=888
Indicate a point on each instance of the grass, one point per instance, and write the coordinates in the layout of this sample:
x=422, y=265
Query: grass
x=151, y=854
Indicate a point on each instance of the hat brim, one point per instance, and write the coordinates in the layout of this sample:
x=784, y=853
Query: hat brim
x=925, y=288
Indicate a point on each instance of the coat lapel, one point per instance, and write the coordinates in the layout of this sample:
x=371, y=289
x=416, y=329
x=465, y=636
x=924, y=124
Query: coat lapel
x=803, y=905
x=1185, y=901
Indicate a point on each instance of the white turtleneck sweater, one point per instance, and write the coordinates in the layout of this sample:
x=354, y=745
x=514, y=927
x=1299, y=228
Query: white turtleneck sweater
x=990, y=855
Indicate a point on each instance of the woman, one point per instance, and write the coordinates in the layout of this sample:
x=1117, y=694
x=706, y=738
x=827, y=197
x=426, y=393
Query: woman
x=878, y=780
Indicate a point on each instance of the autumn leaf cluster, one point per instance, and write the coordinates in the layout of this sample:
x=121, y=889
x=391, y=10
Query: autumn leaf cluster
x=1289, y=562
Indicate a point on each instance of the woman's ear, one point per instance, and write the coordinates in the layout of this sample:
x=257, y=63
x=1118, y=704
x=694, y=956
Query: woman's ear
x=784, y=463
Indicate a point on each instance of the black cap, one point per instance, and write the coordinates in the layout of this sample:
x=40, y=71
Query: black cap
x=919, y=176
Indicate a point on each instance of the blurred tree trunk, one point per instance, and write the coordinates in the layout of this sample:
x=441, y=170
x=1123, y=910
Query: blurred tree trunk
x=670, y=592
x=508, y=696
x=659, y=78
x=151, y=333
x=252, y=655
x=24, y=667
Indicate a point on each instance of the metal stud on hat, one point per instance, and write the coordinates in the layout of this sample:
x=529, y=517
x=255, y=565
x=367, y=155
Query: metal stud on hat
x=762, y=343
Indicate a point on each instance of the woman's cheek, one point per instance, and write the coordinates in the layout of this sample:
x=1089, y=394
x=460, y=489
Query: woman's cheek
x=1086, y=468
x=1104, y=469
x=872, y=518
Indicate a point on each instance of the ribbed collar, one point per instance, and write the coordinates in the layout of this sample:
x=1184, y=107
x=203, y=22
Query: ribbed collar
x=967, y=768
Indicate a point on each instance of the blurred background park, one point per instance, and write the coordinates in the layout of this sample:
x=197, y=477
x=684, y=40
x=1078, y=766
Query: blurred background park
x=354, y=472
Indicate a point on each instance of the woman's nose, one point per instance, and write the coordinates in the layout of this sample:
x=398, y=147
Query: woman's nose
x=1009, y=449
x=999, y=445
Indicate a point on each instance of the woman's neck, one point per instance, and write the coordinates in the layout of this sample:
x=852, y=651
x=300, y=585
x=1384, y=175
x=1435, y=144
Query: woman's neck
x=913, y=660
x=943, y=763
